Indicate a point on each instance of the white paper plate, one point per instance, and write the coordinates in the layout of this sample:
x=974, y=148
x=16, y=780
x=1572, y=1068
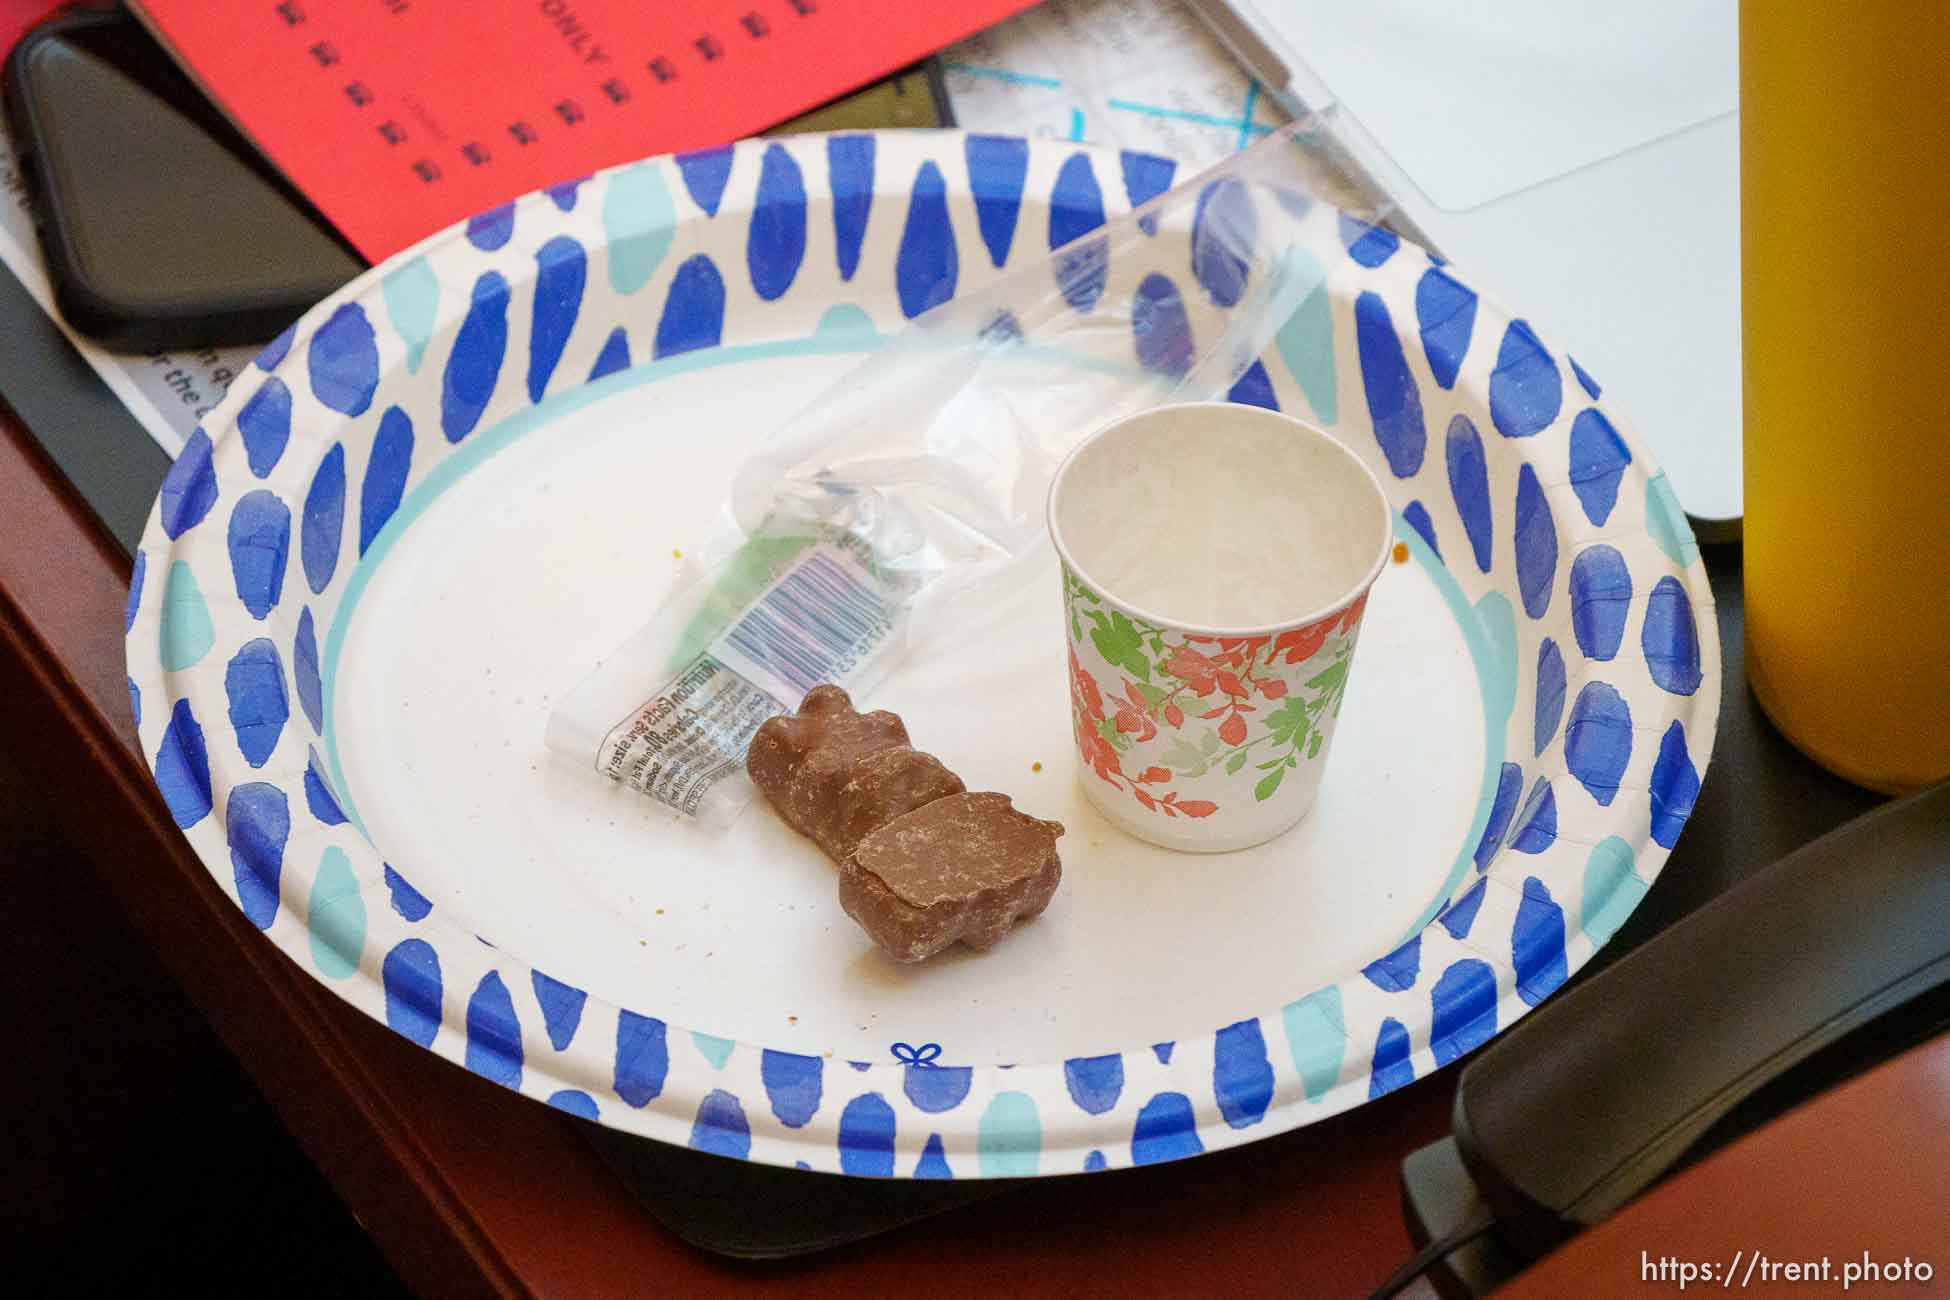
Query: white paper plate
x=452, y=488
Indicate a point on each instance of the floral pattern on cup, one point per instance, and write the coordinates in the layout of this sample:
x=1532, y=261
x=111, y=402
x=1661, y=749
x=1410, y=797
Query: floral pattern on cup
x=1186, y=705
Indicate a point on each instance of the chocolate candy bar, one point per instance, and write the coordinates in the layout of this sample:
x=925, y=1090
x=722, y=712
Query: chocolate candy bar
x=923, y=863
x=965, y=867
x=882, y=787
x=835, y=774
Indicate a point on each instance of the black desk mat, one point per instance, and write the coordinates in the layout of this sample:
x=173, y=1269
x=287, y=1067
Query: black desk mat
x=1760, y=800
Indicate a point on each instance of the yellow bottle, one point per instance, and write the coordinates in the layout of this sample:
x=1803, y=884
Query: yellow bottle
x=1845, y=233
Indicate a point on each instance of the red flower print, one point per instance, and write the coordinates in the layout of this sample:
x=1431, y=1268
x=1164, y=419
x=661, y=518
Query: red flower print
x=1087, y=710
x=1083, y=689
x=1233, y=730
x=1352, y=616
x=1304, y=642
x=1240, y=651
x=1194, y=669
x=1097, y=753
x=1271, y=687
x=1134, y=714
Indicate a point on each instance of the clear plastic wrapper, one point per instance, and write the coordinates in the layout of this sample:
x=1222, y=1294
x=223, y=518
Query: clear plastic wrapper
x=890, y=509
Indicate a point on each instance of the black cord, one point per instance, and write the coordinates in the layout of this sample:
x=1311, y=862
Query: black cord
x=1427, y=1257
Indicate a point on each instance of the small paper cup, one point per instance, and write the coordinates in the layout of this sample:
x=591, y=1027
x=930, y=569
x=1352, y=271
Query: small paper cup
x=1216, y=562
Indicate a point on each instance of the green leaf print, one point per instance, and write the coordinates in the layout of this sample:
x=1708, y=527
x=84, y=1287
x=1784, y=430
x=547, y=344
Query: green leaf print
x=1288, y=723
x=1331, y=678
x=1121, y=644
x=1183, y=756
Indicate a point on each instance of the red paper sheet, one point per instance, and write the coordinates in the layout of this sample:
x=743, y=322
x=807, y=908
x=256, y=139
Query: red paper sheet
x=17, y=16
x=398, y=117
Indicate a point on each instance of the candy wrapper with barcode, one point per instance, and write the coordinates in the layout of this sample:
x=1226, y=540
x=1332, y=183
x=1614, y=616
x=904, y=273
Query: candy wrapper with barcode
x=896, y=505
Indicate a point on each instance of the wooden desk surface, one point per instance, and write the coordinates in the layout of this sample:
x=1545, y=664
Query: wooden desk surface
x=1848, y=1180
x=471, y=1190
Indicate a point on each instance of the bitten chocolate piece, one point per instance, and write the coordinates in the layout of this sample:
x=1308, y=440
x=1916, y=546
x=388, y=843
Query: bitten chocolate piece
x=923, y=863
x=965, y=867
x=836, y=774
x=883, y=786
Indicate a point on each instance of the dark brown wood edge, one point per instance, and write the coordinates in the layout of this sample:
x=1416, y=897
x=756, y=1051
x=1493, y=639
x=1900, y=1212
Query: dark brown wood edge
x=59, y=667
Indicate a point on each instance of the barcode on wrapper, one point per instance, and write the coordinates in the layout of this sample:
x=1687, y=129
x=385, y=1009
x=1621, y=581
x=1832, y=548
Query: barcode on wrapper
x=813, y=626
x=817, y=623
